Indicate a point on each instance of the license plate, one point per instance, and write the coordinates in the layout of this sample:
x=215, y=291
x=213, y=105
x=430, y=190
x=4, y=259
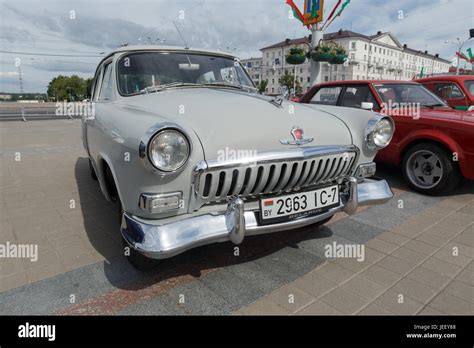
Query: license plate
x=296, y=205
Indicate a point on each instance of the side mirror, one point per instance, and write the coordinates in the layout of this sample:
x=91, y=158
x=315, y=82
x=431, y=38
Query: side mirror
x=367, y=106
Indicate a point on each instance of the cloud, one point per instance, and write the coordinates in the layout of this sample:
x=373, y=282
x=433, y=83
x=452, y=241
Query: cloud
x=241, y=26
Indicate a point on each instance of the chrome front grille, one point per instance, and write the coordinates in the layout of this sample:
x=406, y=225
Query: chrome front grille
x=272, y=173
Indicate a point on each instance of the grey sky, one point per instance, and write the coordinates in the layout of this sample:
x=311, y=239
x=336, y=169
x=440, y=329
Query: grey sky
x=241, y=25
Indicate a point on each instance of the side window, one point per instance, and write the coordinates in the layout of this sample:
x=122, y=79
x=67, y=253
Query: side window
x=326, y=96
x=448, y=91
x=95, y=91
x=354, y=96
x=456, y=92
x=106, y=86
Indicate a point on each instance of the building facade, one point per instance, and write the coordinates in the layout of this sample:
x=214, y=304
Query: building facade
x=380, y=56
x=254, y=68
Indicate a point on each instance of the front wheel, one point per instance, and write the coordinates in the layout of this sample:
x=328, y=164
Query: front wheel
x=430, y=170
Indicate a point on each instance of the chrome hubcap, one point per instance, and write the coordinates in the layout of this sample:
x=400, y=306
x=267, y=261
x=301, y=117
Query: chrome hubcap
x=424, y=169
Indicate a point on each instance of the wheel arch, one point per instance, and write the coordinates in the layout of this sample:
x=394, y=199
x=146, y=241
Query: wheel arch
x=447, y=143
x=108, y=179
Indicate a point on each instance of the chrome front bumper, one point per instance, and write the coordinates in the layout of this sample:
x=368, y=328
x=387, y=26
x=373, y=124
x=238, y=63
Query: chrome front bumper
x=168, y=240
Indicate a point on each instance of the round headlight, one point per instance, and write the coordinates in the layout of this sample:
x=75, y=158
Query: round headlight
x=380, y=132
x=168, y=150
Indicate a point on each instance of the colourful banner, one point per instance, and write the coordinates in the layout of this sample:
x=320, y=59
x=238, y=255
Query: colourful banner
x=313, y=11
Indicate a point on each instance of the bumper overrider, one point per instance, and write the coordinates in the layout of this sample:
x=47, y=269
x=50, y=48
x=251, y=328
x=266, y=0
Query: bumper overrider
x=168, y=240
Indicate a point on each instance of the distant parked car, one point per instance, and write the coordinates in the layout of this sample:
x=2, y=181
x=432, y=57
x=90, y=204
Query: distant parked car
x=433, y=144
x=193, y=155
x=457, y=91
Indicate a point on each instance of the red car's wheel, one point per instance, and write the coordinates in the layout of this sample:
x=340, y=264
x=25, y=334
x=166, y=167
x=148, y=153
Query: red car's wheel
x=429, y=169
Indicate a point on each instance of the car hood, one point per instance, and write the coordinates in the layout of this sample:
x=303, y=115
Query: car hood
x=225, y=120
x=449, y=115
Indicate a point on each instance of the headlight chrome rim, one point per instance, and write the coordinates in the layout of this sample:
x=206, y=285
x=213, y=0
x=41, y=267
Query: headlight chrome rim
x=150, y=149
x=373, y=126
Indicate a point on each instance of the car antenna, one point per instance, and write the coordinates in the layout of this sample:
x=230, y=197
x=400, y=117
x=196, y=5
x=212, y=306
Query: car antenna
x=186, y=47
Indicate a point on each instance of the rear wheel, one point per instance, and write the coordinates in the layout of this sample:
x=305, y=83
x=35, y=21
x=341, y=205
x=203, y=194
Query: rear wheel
x=429, y=169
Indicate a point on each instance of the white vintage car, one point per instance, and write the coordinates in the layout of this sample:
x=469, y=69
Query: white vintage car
x=194, y=155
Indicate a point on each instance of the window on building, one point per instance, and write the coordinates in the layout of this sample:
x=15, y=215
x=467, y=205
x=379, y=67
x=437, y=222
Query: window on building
x=326, y=79
x=353, y=45
x=268, y=56
x=343, y=77
x=365, y=47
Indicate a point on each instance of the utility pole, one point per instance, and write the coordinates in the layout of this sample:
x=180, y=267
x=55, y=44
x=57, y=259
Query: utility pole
x=21, y=79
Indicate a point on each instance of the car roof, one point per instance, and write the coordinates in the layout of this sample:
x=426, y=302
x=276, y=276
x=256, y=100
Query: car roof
x=446, y=78
x=154, y=48
x=358, y=82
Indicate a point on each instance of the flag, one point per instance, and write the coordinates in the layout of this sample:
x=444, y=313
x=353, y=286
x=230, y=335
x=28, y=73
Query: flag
x=422, y=73
x=344, y=5
x=471, y=58
x=462, y=56
x=268, y=203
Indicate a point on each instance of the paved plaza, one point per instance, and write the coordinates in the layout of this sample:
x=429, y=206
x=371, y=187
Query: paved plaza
x=418, y=250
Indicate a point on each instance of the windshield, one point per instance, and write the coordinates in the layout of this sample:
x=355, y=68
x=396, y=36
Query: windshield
x=153, y=71
x=407, y=93
x=470, y=86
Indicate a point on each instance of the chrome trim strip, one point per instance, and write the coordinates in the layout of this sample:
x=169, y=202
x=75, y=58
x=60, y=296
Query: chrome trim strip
x=289, y=155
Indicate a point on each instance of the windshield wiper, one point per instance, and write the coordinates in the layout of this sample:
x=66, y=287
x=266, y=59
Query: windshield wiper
x=222, y=84
x=160, y=88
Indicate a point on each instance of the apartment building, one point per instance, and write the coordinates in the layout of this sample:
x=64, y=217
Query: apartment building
x=379, y=56
x=254, y=68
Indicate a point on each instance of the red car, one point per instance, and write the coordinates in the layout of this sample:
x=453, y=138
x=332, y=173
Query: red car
x=433, y=144
x=457, y=91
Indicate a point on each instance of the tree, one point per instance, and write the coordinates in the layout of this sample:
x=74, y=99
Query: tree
x=70, y=88
x=262, y=86
x=288, y=81
x=89, y=82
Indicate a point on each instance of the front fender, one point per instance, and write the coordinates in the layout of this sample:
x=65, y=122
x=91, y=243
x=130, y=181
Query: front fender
x=433, y=135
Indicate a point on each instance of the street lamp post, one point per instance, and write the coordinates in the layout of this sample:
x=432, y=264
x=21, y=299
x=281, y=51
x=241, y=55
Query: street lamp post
x=315, y=67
